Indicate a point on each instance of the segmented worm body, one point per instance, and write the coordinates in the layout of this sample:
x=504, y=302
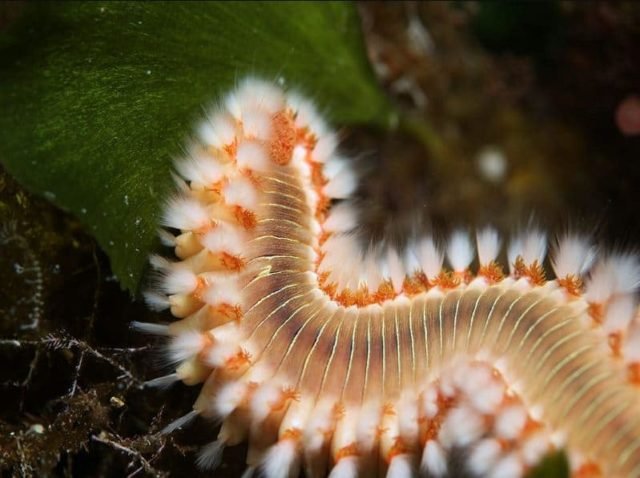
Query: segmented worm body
x=350, y=363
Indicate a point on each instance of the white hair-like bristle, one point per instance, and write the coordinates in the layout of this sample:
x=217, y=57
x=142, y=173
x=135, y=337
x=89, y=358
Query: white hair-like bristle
x=460, y=251
x=179, y=280
x=201, y=169
x=395, y=269
x=262, y=400
x=400, y=467
x=434, y=460
x=507, y=467
x=156, y=301
x=225, y=238
x=166, y=238
x=430, y=257
x=631, y=346
x=150, y=328
x=531, y=245
x=180, y=422
x=220, y=291
x=484, y=455
x=241, y=192
x=185, y=214
x=232, y=105
x=252, y=155
x=346, y=467
x=341, y=218
x=258, y=94
x=372, y=274
x=342, y=185
x=210, y=456
x=488, y=243
x=162, y=382
x=218, y=130
x=462, y=426
x=510, y=422
x=619, y=313
x=626, y=268
x=185, y=345
x=256, y=124
x=615, y=274
x=306, y=114
x=535, y=448
x=573, y=255
x=282, y=460
x=325, y=148
x=228, y=397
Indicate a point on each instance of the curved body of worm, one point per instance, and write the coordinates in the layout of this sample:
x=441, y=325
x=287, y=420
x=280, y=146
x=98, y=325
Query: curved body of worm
x=337, y=361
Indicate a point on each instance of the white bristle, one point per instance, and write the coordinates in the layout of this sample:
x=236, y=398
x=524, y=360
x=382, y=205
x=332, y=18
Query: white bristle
x=342, y=185
x=240, y=191
x=400, y=467
x=507, y=467
x=430, y=257
x=254, y=93
x=615, y=274
x=162, y=382
x=484, y=455
x=256, y=124
x=461, y=427
x=631, y=347
x=306, y=114
x=531, y=245
x=626, y=268
x=282, y=460
x=488, y=243
x=535, y=448
x=341, y=218
x=325, y=147
x=156, y=301
x=619, y=313
x=252, y=155
x=218, y=130
x=335, y=166
x=179, y=280
x=410, y=258
x=460, y=251
x=201, y=169
x=150, y=328
x=160, y=263
x=232, y=105
x=210, y=456
x=346, y=467
x=434, y=461
x=185, y=214
x=166, y=238
x=573, y=255
x=225, y=238
x=222, y=292
x=229, y=396
x=185, y=345
x=180, y=422
x=371, y=272
x=395, y=269
x=262, y=400
x=510, y=422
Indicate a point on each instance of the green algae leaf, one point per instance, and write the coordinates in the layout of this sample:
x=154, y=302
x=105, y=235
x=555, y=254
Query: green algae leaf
x=554, y=465
x=96, y=99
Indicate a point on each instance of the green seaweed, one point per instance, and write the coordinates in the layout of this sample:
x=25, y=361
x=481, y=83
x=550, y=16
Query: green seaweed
x=98, y=98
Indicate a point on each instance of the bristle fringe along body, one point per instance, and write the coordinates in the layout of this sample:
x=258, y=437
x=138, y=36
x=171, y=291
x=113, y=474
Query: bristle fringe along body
x=339, y=361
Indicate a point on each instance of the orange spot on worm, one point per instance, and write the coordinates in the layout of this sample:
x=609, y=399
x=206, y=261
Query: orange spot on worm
x=572, y=284
x=534, y=271
x=284, y=138
x=491, y=272
x=349, y=450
